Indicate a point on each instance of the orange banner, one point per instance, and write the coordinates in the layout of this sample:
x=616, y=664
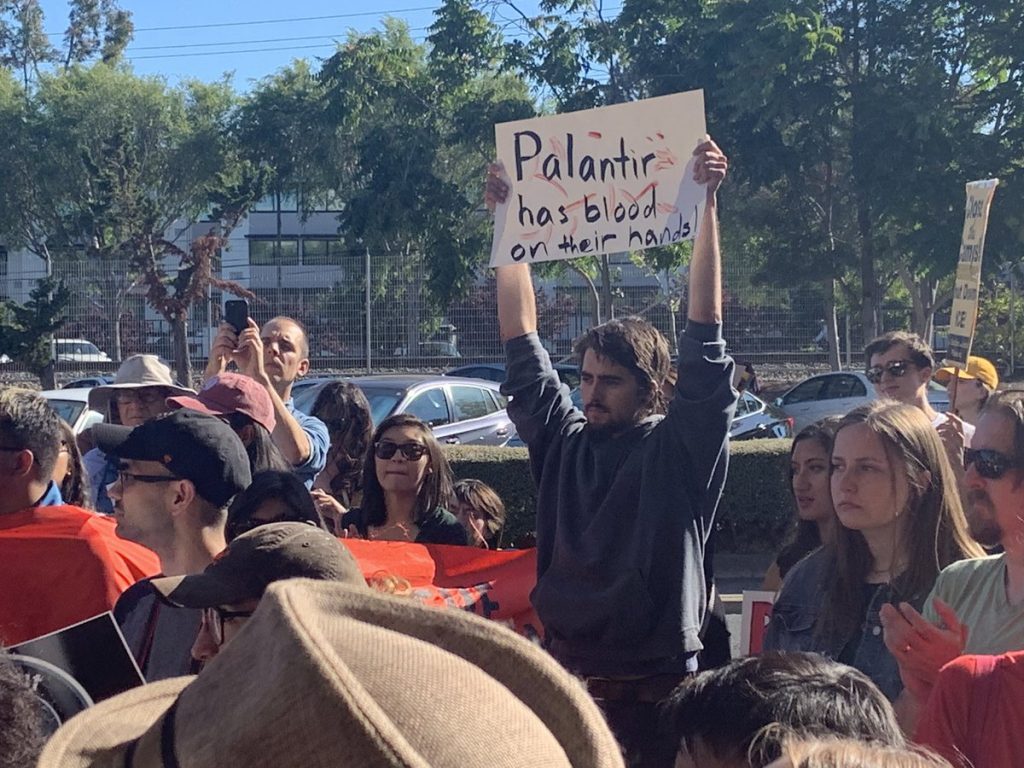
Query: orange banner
x=493, y=584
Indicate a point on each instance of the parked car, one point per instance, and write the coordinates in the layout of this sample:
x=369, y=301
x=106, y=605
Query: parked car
x=72, y=405
x=459, y=411
x=756, y=419
x=89, y=382
x=569, y=373
x=78, y=351
x=838, y=393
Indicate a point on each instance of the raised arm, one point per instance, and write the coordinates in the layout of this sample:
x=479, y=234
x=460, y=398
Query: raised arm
x=705, y=299
x=517, y=305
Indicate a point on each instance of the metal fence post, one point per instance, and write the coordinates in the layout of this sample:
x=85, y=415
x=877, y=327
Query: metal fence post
x=369, y=332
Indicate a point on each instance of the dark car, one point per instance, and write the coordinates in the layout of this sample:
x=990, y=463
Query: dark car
x=755, y=419
x=569, y=373
x=460, y=411
x=89, y=382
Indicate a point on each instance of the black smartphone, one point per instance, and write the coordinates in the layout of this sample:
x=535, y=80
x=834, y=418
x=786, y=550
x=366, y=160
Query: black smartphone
x=236, y=314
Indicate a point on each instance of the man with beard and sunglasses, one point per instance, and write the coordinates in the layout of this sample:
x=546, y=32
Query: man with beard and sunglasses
x=625, y=498
x=977, y=605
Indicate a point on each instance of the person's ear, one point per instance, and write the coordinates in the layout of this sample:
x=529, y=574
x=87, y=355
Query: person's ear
x=303, y=367
x=184, y=493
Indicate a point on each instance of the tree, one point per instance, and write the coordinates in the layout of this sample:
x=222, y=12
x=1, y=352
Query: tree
x=418, y=134
x=95, y=28
x=26, y=330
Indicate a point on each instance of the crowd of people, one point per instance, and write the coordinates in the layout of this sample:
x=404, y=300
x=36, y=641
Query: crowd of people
x=213, y=523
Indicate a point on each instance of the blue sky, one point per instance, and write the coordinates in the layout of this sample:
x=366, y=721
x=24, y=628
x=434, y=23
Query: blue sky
x=230, y=36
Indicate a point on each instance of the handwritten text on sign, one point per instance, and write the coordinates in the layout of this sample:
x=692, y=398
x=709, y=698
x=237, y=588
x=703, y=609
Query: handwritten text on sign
x=605, y=180
x=968, y=271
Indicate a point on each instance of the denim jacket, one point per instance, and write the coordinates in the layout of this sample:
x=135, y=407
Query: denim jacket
x=795, y=618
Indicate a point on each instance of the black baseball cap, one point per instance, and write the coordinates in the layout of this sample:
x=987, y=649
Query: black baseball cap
x=192, y=445
x=256, y=559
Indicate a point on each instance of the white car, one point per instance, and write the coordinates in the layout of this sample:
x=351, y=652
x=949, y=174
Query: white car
x=72, y=405
x=78, y=351
x=838, y=393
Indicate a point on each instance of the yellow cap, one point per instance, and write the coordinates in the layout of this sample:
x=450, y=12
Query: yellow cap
x=977, y=368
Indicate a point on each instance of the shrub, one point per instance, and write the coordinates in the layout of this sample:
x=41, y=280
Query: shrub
x=754, y=515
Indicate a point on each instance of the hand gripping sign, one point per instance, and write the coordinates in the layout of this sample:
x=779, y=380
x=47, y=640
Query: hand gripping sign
x=604, y=180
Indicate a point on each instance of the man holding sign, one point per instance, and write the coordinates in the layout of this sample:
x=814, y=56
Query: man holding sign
x=626, y=499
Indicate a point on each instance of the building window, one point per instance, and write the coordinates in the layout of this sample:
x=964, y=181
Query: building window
x=265, y=252
x=321, y=252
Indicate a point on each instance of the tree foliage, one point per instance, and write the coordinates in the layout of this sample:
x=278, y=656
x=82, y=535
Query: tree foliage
x=26, y=330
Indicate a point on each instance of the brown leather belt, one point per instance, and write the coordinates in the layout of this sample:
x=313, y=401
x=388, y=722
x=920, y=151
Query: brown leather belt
x=650, y=689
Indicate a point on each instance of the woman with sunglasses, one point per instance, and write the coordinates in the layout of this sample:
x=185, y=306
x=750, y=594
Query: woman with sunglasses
x=274, y=496
x=900, y=523
x=407, y=485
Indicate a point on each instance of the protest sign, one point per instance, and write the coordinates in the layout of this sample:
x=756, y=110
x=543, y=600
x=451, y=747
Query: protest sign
x=968, y=271
x=93, y=653
x=603, y=180
x=495, y=584
x=757, y=610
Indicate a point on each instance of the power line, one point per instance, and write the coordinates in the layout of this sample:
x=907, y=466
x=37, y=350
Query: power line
x=225, y=53
x=274, y=21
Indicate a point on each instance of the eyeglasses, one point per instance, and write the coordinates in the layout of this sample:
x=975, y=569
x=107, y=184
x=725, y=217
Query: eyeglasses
x=896, y=368
x=411, y=451
x=215, y=618
x=990, y=464
x=144, y=395
x=123, y=474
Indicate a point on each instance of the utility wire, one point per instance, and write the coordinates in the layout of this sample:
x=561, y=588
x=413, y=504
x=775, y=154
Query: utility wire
x=274, y=21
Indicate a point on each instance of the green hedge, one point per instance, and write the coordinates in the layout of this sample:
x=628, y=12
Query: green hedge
x=754, y=515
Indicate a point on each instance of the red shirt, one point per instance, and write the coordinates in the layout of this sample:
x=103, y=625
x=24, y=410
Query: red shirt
x=61, y=565
x=973, y=716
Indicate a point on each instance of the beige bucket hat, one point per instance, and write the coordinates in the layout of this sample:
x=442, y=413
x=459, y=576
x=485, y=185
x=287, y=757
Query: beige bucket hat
x=136, y=372
x=327, y=675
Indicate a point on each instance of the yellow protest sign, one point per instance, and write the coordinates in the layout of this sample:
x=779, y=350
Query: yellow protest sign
x=968, y=271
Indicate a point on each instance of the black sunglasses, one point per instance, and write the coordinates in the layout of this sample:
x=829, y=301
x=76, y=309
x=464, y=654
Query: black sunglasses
x=896, y=368
x=990, y=464
x=411, y=451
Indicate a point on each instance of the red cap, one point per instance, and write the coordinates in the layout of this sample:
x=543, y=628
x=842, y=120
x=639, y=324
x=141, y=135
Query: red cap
x=229, y=393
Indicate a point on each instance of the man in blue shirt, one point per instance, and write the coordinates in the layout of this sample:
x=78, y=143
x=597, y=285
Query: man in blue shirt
x=275, y=356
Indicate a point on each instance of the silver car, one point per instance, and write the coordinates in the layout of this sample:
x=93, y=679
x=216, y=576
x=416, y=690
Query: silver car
x=459, y=411
x=72, y=405
x=838, y=393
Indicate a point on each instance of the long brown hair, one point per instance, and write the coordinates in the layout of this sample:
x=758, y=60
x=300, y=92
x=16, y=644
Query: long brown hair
x=934, y=533
x=436, y=489
x=343, y=407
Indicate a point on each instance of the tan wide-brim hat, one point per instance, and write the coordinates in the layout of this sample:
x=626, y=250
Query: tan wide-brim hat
x=327, y=675
x=136, y=372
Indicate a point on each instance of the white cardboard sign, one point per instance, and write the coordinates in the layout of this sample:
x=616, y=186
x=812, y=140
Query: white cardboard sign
x=603, y=180
x=964, y=315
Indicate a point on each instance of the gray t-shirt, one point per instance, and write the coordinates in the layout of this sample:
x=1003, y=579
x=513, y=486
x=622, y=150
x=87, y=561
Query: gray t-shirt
x=159, y=636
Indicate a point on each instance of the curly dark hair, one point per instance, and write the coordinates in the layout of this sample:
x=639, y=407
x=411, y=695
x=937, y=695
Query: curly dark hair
x=343, y=407
x=635, y=344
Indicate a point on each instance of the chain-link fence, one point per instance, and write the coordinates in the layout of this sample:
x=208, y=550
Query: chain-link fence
x=391, y=321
